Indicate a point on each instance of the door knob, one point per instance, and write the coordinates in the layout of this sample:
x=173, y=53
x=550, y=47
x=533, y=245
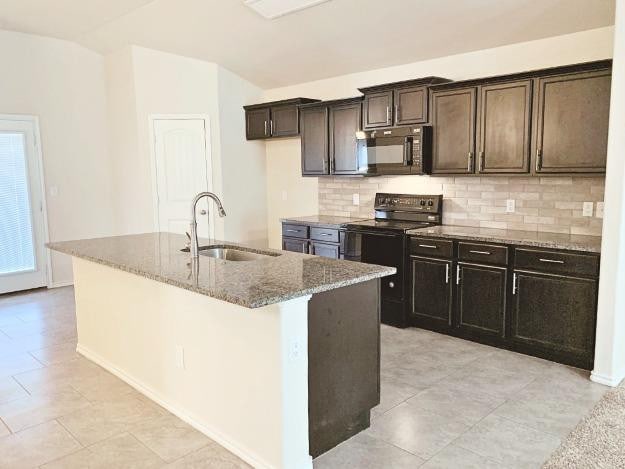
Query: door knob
x=202, y=212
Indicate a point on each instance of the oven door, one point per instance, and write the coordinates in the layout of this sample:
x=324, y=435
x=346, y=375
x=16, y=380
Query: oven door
x=391, y=155
x=380, y=248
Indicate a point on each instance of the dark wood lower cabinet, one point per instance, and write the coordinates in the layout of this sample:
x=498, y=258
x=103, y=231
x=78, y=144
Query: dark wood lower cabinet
x=431, y=291
x=324, y=249
x=481, y=299
x=295, y=245
x=555, y=314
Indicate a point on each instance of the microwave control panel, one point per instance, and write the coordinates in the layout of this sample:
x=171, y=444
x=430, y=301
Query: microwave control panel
x=422, y=150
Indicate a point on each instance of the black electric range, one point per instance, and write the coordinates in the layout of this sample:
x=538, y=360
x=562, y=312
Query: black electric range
x=382, y=240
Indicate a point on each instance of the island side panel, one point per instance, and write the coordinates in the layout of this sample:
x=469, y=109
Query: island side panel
x=242, y=381
x=343, y=363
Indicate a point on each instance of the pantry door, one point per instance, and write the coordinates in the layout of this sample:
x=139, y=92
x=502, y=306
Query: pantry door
x=182, y=165
x=23, y=260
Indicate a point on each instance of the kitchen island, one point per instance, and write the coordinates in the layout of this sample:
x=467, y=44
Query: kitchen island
x=274, y=355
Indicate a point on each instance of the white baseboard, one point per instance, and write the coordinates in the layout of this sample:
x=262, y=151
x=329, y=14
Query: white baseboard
x=607, y=380
x=183, y=415
x=60, y=284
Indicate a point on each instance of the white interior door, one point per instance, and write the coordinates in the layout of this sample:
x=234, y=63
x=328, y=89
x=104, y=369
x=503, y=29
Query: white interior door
x=22, y=251
x=183, y=168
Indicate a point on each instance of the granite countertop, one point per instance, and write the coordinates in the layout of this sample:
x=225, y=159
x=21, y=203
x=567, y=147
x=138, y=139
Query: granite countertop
x=252, y=284
x=523, y=238
x=322, y=220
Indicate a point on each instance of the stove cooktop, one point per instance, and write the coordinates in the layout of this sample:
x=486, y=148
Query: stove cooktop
x=389, y=225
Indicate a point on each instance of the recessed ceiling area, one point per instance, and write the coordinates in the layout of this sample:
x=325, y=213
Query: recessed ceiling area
x=305, y=45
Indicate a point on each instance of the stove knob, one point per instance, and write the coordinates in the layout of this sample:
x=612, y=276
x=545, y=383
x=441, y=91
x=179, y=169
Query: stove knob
x=431, y=203
x=422, y=202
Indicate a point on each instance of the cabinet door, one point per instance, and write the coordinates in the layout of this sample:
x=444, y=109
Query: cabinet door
x=324, y=250
x=481, y=299
x=295, y=245
x=314, y=141
x=431, y=290
x=453, y=122
x=555, y=313
x=378, y=109
x=572, y=123
x=411, y=105
x=504, y=127
x=284, y=121
x=344, y=125
x=257, y=123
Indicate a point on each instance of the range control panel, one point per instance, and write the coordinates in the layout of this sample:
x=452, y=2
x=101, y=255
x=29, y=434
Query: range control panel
x=409, y=202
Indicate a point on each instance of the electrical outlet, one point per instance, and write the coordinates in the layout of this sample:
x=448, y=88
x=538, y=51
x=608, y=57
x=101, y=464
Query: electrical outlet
x=180, y=357
x=588, y=209
x=510, y=206
x=356, y=199
x=599, y=211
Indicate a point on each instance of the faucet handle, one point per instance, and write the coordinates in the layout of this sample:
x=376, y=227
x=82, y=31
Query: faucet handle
x=188, y=243
x=202, y=212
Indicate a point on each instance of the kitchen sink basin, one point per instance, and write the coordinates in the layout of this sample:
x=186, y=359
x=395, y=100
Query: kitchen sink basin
x=231, y=253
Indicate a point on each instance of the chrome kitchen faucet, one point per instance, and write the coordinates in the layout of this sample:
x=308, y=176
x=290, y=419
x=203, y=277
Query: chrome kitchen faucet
x=193, y=248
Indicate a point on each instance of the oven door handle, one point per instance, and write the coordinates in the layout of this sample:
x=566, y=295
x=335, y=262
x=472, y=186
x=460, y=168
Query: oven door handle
x=373, y=233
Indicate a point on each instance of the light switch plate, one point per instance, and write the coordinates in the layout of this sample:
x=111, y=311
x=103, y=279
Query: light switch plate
x=510, y=206
x=599, y=211
x=356, y=199
x=588, y=209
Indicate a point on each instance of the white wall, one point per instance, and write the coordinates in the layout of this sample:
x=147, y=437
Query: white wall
x=578, y=47
x=63, y=84
x=610, y=342
x=143, y=82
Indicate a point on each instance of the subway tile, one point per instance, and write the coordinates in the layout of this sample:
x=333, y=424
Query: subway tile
x=493, y=224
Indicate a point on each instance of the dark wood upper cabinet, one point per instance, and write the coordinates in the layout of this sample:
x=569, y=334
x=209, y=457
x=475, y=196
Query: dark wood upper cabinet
x=314, y=140
x=257, y=122
x=571, y=133
x=453, y=124
x=273, y=120
x=345, y=122
x=411, y=105
x=431, y=291
x=481, y=299
x=378, y=109
x=504, y=127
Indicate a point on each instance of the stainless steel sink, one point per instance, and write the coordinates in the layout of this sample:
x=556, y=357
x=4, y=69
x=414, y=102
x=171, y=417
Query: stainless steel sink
x=232, y=254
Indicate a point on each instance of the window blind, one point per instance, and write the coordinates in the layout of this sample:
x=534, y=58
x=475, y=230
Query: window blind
x=16, y=234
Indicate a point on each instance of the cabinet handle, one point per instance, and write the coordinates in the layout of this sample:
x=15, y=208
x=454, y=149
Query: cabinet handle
x=429, y=246
x=514, y=283
x=486, y=253
x=551, y=261
x=457, y=275
x=481, y=161
x=391, y=284
x=293, y=231
x=325, y=234
x=396, y=112
x=388, y=115
x=539, y=157
x=470, y=165
x=271, y=126
x=447, y=273
x=265, y=128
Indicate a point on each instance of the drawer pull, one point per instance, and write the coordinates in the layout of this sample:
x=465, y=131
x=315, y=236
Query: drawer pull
x=429, y=246
x=551, y=261
x=325, y=234
x=486, y=253
x=293, y=231
x=391, y=284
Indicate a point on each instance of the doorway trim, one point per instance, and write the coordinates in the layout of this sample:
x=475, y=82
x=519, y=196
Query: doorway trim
x=208, y=147
x=34, y=121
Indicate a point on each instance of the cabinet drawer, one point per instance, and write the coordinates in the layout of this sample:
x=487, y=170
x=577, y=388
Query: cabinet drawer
x=557, y=262
x=328, y=235
x=431, y=247
x=294, y=231
x=483, y=253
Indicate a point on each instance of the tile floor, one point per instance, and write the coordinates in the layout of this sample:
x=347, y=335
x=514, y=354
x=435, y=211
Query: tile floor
x=446, y=403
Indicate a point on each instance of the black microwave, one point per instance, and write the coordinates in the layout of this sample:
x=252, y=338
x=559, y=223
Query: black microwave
x=400, y=150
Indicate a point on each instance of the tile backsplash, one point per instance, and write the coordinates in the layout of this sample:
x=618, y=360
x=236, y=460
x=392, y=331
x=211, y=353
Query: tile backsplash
x=550, y=204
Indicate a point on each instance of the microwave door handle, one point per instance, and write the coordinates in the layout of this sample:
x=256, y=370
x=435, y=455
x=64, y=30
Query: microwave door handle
x=408, y=151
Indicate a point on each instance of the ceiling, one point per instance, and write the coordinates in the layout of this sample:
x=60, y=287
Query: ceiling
x=333, y=38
